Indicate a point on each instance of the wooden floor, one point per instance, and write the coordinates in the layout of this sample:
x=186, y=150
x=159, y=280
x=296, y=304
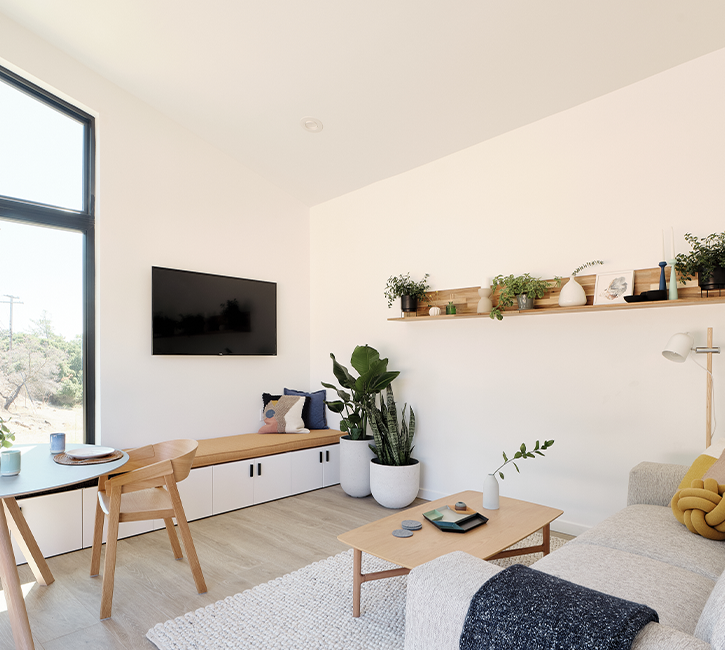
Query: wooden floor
x=237, y=550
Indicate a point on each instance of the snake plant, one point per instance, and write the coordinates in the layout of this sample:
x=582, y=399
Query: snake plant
x=393, y=442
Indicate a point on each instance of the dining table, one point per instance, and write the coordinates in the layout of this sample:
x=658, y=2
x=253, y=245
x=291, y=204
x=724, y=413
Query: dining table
x=39, y=473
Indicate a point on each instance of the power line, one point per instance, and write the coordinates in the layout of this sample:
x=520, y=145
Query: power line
x=13, y=301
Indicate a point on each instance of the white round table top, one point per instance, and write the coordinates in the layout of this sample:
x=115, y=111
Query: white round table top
x=39, y=472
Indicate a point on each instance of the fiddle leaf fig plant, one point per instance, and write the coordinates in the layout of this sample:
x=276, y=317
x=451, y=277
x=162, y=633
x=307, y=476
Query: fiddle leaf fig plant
x=523, y=453
x=403, y=285
x=6, y=437
x=516, y=285
x=706, y=255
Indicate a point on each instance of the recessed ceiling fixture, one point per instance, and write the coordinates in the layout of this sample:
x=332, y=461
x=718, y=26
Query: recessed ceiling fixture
x=311, y=124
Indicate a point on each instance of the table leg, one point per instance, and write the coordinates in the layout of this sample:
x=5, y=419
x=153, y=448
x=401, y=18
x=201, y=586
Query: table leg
x=546, y=534
x=356, y=581
x=26, y=542
x=11, y=588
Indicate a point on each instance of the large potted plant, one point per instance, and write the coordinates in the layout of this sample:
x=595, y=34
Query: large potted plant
x=357, y=393
x=394, y=473
x=706, y=259
x=523, y=288
x=409, y=291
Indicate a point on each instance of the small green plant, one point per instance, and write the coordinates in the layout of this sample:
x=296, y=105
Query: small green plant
x=516, y=285
x=586, y=266
x=402, y=285
x=393, y=443
x=706, y=255
x=523, y=453
x=374, y=377
x=5, y=436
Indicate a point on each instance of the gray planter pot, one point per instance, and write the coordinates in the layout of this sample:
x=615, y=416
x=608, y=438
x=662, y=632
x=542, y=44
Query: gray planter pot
x=394, y=486
x=524, y=301
x=355, y=457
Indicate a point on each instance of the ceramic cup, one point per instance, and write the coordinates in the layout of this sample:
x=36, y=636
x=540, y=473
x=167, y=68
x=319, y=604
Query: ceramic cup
x=57, y=443
x=10, y=462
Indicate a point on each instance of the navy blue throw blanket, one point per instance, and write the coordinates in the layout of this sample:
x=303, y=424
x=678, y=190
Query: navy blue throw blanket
x=521, y=608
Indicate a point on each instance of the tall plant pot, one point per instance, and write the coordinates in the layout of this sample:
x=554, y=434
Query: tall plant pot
x=355, y=457
x=394, y=486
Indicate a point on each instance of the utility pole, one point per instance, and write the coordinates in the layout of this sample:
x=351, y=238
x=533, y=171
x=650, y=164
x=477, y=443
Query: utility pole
x=11, y=302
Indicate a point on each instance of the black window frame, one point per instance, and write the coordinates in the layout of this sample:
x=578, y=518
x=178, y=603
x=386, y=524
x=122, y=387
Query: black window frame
x=82, y=221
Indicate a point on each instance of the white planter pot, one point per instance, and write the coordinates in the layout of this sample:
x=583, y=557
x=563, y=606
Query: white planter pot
x=355, y=457
x=490, y=492
x=572, y=294
x=394, y=486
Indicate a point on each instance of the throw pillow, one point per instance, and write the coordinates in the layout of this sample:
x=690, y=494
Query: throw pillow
x=284, y=416
x=314, y=411
x=699, y=493
x=268, y=397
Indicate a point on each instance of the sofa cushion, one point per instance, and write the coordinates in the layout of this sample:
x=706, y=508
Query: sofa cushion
x=656, y=636
x=714, y=610
x=677, y=595
x=652, y=531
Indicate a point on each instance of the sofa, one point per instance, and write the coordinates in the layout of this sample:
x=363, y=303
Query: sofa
x=642, y=554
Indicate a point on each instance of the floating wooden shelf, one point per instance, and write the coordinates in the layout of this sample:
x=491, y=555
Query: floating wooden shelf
x=466, y=299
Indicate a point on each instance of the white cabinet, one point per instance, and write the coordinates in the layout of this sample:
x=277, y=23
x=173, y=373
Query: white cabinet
x=331, y=466
x=314, y=468
x=196, y=495
x=272, y=477
x=125, y=529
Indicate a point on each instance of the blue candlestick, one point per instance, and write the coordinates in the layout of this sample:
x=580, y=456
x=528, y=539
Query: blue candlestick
x=663, y=283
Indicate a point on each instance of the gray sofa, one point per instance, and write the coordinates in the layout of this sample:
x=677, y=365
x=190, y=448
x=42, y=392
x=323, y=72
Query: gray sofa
x=642, y=554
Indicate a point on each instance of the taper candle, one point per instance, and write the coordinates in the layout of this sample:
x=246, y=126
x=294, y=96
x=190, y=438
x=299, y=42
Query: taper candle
x=672, y=243
x=662, y=256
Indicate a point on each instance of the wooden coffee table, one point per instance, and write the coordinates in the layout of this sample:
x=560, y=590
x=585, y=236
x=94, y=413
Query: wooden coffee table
x=513, y=521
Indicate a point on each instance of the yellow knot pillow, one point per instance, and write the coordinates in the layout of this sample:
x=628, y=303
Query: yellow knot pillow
x=701, y=508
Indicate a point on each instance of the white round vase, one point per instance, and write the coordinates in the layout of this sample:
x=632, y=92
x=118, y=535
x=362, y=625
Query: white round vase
x=572, y=294
x=490, y=492
x=355, y=457
x=395, y=486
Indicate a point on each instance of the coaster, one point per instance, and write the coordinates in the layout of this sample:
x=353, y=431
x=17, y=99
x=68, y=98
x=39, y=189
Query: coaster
x=402, y=533
x=411, y=524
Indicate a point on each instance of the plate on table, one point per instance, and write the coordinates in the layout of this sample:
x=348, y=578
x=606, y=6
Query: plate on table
x=82, y=453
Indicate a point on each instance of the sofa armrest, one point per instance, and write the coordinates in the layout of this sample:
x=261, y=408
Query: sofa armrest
x=655, y=636
x=654, y=483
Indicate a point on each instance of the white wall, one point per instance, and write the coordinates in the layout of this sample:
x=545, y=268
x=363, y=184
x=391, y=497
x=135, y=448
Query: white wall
x=597, y=181
x=166, y=198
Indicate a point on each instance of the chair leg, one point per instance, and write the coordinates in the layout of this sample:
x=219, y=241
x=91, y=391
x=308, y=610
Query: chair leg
x=176, y=547
x=97, y=540
x=186, y=535
x=109, y=567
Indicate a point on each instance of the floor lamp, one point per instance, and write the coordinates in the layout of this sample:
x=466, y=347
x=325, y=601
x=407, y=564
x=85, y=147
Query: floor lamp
x=678, y=349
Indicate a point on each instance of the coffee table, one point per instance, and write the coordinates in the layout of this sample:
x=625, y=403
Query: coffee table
x=513, y=521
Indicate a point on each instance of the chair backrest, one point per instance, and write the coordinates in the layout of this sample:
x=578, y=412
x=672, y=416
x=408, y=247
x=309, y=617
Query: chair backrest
x=181, y=453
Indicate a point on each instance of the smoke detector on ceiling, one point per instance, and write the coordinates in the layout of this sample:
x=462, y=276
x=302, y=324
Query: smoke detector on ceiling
x=311, y=124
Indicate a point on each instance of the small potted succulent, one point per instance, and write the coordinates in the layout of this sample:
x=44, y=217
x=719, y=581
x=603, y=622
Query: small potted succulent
x=409, y=291
x=706, y=259
x=523, y=288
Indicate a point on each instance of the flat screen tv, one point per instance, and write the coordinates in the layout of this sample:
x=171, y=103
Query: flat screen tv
x=205, y=314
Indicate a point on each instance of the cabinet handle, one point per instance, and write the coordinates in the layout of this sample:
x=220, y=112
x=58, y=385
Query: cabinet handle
x=320, y=456
x=259, y=469
x=251, y=471
x=327, y=455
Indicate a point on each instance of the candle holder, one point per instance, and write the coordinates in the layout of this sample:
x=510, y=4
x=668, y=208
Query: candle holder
x=673, y=281
x=663, y=283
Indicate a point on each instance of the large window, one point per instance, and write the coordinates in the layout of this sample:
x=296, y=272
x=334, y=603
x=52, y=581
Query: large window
x=46, y=264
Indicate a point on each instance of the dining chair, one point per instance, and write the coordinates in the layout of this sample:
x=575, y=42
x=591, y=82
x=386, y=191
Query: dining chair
x=147, y=489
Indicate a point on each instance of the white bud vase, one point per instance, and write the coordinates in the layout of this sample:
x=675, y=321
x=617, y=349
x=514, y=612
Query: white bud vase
x=490, y=492
x=484, y=304
x=572, y=294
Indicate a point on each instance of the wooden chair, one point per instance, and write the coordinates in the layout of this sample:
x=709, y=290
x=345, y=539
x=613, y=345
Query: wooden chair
x=146, y=490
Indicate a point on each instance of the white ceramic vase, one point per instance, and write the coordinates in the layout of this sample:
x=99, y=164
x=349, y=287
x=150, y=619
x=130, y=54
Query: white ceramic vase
x=394, y=486
x=355, y=457
x=484, y=304
x=490, y=492
x=434, y=311
x=572, y=294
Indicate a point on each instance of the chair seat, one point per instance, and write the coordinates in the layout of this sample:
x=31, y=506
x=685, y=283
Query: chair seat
x=153, y=503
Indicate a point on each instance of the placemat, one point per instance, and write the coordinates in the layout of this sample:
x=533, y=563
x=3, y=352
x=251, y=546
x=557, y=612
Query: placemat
x=64, y=459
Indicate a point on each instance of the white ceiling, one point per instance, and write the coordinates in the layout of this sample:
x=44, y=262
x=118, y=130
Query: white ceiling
x=396, y=83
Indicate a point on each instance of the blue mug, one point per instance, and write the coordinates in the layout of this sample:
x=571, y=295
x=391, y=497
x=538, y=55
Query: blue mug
x=57, y=443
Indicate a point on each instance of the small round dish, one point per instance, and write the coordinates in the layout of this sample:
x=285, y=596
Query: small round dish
x=83, y=453
x=639, y=298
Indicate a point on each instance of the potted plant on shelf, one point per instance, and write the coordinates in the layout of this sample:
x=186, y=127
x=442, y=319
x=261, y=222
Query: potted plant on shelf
x=707, y=259
x=572, y=293
x=355, y=454
x=394, y=473
x=523, y=288
x=409, y=291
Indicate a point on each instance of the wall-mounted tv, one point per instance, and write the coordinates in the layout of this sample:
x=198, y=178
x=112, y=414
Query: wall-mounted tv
x=205, y=314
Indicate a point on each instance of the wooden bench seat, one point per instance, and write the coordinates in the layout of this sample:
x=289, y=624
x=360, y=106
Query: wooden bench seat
x=226, y=449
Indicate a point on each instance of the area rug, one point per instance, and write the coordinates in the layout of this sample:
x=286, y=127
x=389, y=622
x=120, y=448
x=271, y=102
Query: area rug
x=308, y=609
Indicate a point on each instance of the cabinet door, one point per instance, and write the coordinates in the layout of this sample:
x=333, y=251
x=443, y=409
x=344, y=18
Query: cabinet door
x=233, y=486
x=331, y=466
x=125, y=529
x=306, y=469
x=196, y=493
x=272, y=478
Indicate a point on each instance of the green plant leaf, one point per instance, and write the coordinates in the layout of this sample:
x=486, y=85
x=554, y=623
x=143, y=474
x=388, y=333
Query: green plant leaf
x=501, y=475
x=364, y=357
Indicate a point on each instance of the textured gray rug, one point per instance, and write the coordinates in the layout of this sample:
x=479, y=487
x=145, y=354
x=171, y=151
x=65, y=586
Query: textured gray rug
x=308, y=609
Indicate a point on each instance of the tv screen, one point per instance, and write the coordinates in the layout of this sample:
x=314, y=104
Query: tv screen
x=201, y=313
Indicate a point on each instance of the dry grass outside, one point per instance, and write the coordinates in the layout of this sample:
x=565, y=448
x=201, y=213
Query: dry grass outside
x=33, y=422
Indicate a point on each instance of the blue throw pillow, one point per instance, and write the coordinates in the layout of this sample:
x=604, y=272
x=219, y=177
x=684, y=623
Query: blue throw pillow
x=314, y=412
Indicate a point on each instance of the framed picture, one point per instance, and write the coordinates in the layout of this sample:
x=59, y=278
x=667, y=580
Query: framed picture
x=610, y=288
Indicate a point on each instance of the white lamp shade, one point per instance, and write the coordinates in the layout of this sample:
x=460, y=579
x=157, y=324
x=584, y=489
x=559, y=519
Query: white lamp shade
x=678, y=348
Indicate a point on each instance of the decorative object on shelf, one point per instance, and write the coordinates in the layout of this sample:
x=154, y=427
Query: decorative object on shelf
x=673, y=281
x=572, y=293
x=663, y=282
x=434, y=311
x=678, y=349
x=610, y=288
x=450, y=307
x=516, y=285
x=484, y=304
x=707, y=259
x=409, y=291
x=394, y=473
x=374, y=376
x=490, y=492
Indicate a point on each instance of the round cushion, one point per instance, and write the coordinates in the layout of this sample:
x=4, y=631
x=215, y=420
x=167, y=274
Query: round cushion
x=701, y=508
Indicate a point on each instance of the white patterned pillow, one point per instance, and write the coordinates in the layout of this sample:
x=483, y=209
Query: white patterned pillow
x=284, y=416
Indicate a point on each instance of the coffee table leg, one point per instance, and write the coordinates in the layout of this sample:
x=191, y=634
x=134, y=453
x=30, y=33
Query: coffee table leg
x=546, y=534
x=357, y=581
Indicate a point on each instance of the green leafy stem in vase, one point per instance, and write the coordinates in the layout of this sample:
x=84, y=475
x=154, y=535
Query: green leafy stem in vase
x=5, y=436
x=523, y=453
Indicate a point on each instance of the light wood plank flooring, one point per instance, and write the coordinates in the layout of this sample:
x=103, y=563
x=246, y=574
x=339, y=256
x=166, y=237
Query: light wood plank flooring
x=237, y=550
